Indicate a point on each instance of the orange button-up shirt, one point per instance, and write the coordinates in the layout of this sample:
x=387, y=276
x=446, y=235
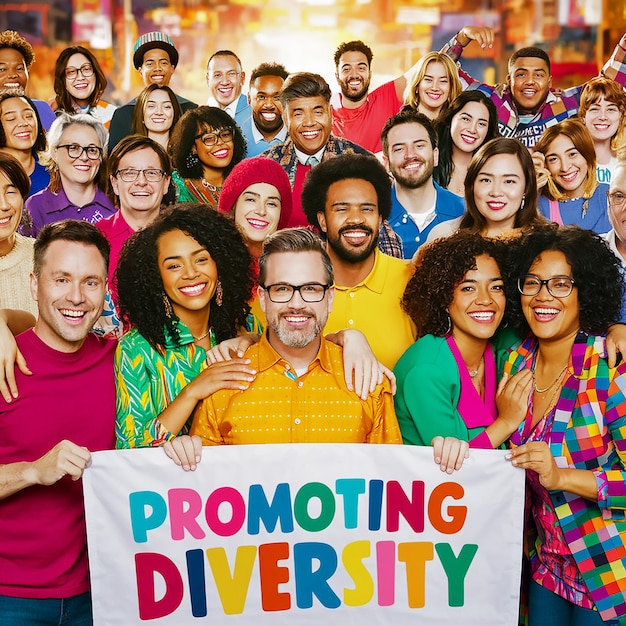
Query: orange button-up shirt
x=282, y=407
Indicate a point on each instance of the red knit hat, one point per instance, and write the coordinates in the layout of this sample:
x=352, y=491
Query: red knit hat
x=256, y=170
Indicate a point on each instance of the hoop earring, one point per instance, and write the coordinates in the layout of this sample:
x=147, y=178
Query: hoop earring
x=219, y=294
x=169, y=311
x=191, y=160
x=521, y=206
x=449, y=329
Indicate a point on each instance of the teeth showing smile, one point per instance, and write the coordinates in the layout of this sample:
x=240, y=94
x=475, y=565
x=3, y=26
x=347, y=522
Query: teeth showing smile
x=496, y=206
x=193, y=290
x=529, y=93
x=355, y=237
x=258, y=224
x=413, y=165
x=433, y=96
x=568, y=178
x=468, y=138
x=5, y=220
x=482, y=316
x=270, y=117
x=545, y=313
x=72, y=313
x=310, y=134
x=296, y=319
x=221, y=154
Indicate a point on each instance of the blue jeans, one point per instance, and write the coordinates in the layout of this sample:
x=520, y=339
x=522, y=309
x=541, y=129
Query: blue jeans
x=547, y=609
x=74, y=611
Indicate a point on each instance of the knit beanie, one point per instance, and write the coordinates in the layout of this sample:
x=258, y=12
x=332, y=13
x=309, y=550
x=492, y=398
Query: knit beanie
x=152, y=40
x=256, y=170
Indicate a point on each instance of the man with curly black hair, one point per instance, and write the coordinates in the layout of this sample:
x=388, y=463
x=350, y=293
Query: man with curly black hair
x=347, y=198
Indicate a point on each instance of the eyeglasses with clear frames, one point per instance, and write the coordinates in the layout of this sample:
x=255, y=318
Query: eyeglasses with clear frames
x=211, y=139
x=130, y=175
x=616, y=199
x=75, y=151
x=72, y=72
x=283, y=292
x=557, y=286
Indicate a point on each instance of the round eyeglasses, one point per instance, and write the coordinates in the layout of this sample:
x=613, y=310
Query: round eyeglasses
x=72, y=72
x=557, y=286
x=75, y=151
x=283, y=292
x=211, y=139
x=616, y=199
x=130, y=175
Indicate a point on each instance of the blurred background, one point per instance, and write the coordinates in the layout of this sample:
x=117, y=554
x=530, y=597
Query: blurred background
x=303, y=34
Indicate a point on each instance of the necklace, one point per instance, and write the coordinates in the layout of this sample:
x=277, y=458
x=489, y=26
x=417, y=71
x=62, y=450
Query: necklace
x=554, y=382
x=207, y=185
x=474, y=373
x=208, y=332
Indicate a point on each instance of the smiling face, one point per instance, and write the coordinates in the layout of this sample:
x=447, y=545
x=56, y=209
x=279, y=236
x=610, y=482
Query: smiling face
x=498, y=192
x=469, y=127
x=11, y=204
x=309, y=122
x=351, y=219
x=158, y=112
x=410, y=155
x=478, y=302
x=69, y=292
x=225, y=79
x=141, y=195
x=551, y=319
x=19, y=123
x=602, y=119
x=188, y=272
x=13, y=70
x=217, y=156
x=617, y=215
x=353, y=75
x=265, y=104
x=156, y=67
x=433, y=90
x=257, y=211
x=80, y=171
x=567, y=166
x=295, y=324
x=80, y=87
x=530, y=81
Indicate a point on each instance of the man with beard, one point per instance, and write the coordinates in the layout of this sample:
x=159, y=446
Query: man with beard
x=418, y=203
x=347, y=198
x=299, y=394
x=264, y=127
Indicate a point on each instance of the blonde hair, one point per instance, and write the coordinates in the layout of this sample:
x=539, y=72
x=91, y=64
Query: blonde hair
x=411, y=96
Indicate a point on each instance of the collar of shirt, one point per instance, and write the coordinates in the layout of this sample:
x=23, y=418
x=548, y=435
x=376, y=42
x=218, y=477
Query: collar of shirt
x=376, y=279
x=59, y=201
x=184, y=334
x=303, y=157
x=267, y=357
x=231, y=109
x=258, y=137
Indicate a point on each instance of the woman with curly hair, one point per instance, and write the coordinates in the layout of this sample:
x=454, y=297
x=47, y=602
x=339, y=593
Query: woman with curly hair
x=468, y=123
x=456, y=299
x=603, y=111
x=205, y=145
x=572, y=441
x=565, y=159
x=22, y=136
x=433, y=85
x=183, y=283
x=79, y=83
x=155, y=114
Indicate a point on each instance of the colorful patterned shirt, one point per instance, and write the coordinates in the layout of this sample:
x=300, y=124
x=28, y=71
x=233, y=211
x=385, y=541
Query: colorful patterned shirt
x=282, y=407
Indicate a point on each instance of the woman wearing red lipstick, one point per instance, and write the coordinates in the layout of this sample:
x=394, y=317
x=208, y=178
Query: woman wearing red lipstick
x=456, y=300
x=565, y=159
x=205, y=146
x=572, y=441
x=22, y=135
x=191, y=293
x=468, y=123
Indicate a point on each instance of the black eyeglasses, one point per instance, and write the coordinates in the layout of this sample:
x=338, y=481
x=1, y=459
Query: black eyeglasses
x=210, y=139
x=557, y=286
x=283, y=292
x=75, y=151
x=130, y=175
x=72, y=72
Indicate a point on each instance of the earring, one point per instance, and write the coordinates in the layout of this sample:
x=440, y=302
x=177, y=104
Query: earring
x=219, y=294
x=168, y=306
x=521, y=206
x=191, y=160
x=449, y=329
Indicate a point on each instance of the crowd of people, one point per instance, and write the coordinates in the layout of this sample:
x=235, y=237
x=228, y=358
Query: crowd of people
x=435, y=262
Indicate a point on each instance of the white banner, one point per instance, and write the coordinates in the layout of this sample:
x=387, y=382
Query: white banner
x=304, y=534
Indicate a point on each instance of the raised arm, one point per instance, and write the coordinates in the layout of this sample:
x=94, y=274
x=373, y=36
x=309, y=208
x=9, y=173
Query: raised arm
x=12, y=322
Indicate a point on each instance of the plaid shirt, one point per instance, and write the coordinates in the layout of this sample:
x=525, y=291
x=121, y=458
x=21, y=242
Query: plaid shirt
x=589, y=433
x=554, y=109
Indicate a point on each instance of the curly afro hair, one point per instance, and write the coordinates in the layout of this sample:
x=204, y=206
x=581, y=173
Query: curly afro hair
x=12, y=39
x=139, y=283
x=442, y=265
x=594, y=268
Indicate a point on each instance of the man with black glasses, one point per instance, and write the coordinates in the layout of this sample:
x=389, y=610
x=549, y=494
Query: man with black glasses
x=299, y=394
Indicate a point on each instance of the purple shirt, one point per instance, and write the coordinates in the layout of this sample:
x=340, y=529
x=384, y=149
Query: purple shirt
x=46, y=207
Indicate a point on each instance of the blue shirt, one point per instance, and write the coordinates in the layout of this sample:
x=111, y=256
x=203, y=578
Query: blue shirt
x=448, y=206
x=256, y=143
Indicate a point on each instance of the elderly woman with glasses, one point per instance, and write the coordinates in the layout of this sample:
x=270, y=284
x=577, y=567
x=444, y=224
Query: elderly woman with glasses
x=205, y=145
x=75, y=160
